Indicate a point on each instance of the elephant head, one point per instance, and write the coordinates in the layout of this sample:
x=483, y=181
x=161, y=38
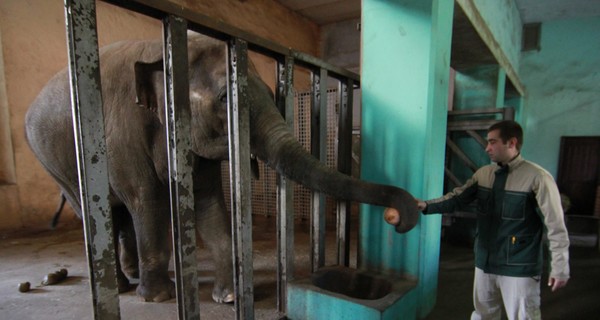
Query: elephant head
x=270, y=140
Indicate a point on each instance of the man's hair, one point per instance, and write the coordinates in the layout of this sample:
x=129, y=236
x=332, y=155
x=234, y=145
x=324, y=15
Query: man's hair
x=509, y=129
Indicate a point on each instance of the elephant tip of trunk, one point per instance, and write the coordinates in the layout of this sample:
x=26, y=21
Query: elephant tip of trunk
x=391, y=216
x=404, y=219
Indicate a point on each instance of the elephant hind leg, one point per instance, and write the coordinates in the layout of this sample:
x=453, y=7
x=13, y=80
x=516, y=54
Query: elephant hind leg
x=122, y=227
x=127, y=245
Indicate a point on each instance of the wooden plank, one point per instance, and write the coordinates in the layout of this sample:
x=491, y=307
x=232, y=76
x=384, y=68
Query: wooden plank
x=452, y=177
x=464, y=125
x=482, y=142
x=477, y=111
x=465, y=159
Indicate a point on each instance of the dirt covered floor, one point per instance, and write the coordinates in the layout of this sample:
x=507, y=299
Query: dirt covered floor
x=30, y=257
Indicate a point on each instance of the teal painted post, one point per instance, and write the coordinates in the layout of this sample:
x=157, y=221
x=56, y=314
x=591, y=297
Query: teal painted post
x=501, y=88
x=405, y=71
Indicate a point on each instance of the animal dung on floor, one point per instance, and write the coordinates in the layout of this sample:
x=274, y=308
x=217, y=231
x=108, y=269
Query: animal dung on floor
x=55, y=277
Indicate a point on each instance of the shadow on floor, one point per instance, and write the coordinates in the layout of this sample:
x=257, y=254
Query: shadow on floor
x=580, y=299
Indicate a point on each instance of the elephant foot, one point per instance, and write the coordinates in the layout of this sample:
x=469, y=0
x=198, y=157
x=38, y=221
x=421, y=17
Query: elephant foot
x=159, y=291
x=132, y=272
x=222, y=295
x=123, y=283
x=129, y=262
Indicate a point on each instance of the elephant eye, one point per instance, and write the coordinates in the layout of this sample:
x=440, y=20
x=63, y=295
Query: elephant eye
x=222, y=95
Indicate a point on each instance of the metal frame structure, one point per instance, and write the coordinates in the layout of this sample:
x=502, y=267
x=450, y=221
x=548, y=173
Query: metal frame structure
x=92, y=164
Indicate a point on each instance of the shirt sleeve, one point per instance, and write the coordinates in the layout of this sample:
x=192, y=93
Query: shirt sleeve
x=548, y=199
x=458, y=198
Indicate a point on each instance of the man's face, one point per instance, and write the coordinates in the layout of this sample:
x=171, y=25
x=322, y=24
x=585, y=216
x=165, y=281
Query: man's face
x=498, y=150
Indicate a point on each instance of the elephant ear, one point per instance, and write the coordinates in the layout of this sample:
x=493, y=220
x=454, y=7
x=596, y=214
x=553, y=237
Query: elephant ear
x=149, y=87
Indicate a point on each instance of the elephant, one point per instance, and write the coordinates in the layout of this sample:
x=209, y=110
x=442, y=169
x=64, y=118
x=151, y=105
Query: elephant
x=133, y=101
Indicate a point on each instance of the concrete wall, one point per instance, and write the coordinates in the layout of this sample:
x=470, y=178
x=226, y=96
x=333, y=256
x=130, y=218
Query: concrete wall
x=340, y=46
x=34, y=48
x=563, y=86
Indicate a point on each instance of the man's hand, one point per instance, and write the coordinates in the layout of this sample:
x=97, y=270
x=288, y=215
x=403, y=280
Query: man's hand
x=421, y=205
x=556, y=283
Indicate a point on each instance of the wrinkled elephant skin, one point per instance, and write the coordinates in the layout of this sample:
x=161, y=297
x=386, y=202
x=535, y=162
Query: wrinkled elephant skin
x=133, y=97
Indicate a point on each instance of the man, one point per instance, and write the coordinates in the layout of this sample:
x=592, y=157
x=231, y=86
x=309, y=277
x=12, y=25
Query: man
x=517, y=201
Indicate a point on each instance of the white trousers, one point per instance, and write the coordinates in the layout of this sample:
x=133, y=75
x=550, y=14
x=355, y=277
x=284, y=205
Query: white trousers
x=521, y=297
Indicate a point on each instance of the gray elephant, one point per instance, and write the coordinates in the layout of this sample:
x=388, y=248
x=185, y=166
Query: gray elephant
x=133, y=97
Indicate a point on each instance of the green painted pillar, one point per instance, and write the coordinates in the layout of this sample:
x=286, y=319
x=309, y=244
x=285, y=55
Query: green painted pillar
x=405, y=70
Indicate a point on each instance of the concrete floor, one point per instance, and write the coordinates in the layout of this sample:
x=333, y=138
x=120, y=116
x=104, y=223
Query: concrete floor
x=580, y=299
x=29, y=257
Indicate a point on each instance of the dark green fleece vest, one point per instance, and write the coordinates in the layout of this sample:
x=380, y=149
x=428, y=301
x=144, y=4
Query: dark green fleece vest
x=509, y=231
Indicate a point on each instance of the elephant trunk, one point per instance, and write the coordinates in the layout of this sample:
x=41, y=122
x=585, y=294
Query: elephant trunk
x=275, y=144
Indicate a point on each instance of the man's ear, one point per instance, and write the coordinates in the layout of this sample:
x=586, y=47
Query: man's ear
x=149, y=84
x=512, y=142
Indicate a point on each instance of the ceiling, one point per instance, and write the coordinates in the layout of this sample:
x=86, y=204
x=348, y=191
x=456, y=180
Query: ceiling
x=329, y=11
x=467, y=47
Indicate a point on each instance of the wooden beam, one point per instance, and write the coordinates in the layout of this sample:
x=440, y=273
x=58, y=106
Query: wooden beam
x=477, y=138
x=465, y=159
x=487, y=36
x=464, y=125
x=452, y=177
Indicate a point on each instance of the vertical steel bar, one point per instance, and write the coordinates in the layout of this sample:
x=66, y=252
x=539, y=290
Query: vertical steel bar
x=92, y=165
x=180, y=161
x=318, y=138
x=344, y=165
x=239, y=166
x=285, y=190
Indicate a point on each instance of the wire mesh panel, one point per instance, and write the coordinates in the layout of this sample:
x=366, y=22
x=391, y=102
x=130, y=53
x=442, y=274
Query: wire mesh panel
x=264, y=190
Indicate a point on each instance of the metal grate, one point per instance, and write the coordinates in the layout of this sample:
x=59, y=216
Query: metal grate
x=264, y=190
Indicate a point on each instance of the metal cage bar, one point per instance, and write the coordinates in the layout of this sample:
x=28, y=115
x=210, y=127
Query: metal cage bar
x=92, y=165
x=86, y=87
x=285, y=190
x=344, y=165
x=319, y=151
x=239, y=162
x=180, y=157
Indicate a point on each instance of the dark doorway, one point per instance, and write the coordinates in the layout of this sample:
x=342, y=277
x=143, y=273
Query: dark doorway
x=579, y=174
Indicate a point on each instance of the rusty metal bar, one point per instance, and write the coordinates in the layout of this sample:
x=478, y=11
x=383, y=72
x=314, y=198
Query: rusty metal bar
x=180, y=158
x=92, y=165
x=344, y=165
x=318, y=138
x=285, y=190
x=239, y=165
x=102, y=271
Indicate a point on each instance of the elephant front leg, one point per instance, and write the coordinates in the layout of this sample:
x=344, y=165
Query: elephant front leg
x=215, y=230
x=151, y=228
